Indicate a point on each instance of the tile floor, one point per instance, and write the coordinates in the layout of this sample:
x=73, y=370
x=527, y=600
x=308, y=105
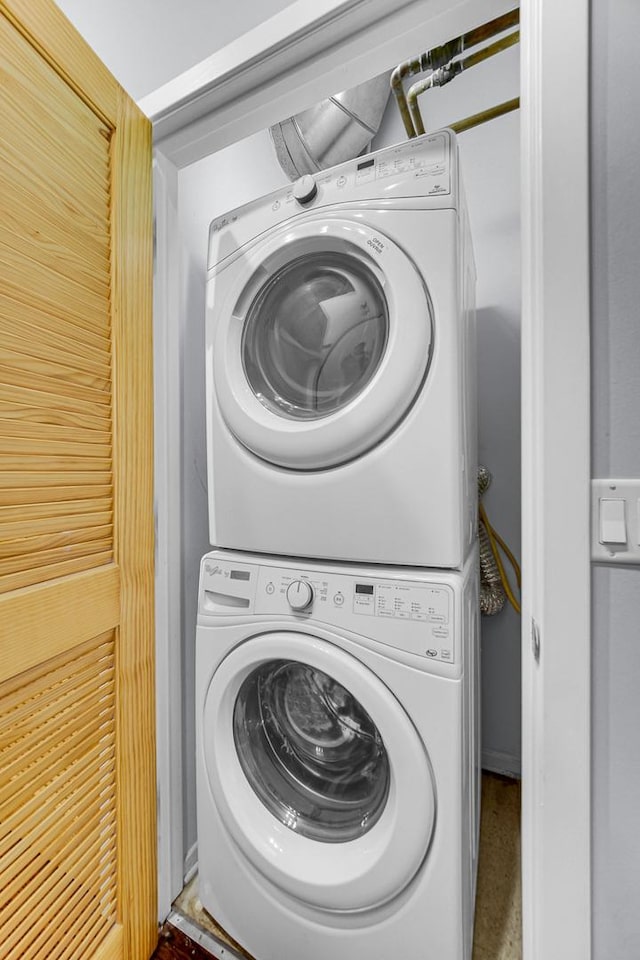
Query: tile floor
x=498, y=914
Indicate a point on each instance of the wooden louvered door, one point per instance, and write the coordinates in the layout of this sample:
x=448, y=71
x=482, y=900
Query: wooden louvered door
x=77, y=761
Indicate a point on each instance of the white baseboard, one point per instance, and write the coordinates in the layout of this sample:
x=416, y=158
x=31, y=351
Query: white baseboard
x=503, y=763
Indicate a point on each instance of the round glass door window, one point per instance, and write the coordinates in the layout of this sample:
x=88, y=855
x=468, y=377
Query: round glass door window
x=314, y=335
x=310, y=751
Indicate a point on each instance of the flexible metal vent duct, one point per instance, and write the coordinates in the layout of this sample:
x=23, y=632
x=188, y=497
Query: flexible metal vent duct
x=333, y=131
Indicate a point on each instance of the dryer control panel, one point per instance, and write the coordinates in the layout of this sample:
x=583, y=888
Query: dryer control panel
x=416, y=174
x=414, y=615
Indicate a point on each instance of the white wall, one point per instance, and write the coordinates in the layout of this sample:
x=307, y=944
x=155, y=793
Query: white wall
x=147, y=42
x=491, y=170
x=616, y=453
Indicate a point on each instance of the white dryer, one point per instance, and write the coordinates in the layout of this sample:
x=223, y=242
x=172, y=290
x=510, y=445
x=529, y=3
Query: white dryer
x=340, y=360
x=338, y=757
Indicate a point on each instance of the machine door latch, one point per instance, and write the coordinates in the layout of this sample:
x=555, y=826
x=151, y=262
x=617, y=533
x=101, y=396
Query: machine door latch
x=535, y=640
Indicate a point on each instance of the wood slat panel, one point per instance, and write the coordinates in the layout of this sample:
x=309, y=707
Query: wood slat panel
x=66, y=202
x=38, y=879
x=39, y=480
x=57, y=671
x=57, y=836
x=52, y=348
x=24, y=429
x=25, y=734
x=43, y=415
x=47, y=558
x=56, y=464
x=47, y=402
x=46, y=890
x=31, y=742
x=84, y=308
x=46, y=511
x=54, y=376
x=85, y=939
x=87, y=192
x=52, y=814
x=28, y=578
x=36, y=202
x=13, y=443
x=74, y=922
x=111, y=946
x=11, y=549
x=51, y=34
x=49, y=324
x=18, y=495
x=70, y=131
x=48, y=91
x=46, y=225
x=88, y=601
x=50, y=383
x=54, y=524
x=35, y=240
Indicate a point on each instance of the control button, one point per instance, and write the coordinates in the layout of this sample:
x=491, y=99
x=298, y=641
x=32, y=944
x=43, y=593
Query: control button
x=299, y=594
x=270, y=588
x=446, y=654
x=276, y=205
x=305, y=189
x=341, y=182
x=431, y=653
x=338, y=599
x=419, y=616
x=402, y=614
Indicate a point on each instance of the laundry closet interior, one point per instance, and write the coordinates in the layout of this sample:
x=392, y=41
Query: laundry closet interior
x=202, y=189
x=246, y=170
x=326, y=693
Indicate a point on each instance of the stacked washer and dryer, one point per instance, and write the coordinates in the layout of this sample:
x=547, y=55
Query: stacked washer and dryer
x=337, y=639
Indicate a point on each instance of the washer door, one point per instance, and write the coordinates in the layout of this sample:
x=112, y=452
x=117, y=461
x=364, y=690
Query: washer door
x=323, y=345
x=317, y=772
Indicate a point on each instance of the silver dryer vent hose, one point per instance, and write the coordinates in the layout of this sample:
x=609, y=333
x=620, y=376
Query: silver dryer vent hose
x=333, y=131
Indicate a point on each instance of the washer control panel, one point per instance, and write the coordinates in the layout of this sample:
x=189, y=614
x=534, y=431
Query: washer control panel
x=417, y=616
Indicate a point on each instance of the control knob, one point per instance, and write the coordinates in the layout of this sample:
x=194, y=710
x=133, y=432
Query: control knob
x=299, y=594
x=305, y=189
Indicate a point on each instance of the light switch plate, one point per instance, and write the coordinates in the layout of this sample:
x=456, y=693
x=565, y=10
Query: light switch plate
x=608, y=490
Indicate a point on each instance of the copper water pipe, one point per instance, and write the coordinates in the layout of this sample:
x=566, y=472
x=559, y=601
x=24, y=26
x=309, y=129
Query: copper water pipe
x=445, y=74
x=440, y=56
x=485, y=115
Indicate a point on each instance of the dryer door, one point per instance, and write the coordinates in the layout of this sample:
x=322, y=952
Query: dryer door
x=317, y=771
x=323, y=344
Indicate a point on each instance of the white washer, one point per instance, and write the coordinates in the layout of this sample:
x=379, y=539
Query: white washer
x=340, y=357
x=338, y=757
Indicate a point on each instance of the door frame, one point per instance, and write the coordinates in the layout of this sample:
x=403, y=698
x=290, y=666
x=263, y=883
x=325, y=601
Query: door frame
x=305, y=53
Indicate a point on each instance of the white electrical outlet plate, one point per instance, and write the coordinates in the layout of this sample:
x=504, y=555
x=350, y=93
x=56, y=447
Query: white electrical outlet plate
x=615, y=521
